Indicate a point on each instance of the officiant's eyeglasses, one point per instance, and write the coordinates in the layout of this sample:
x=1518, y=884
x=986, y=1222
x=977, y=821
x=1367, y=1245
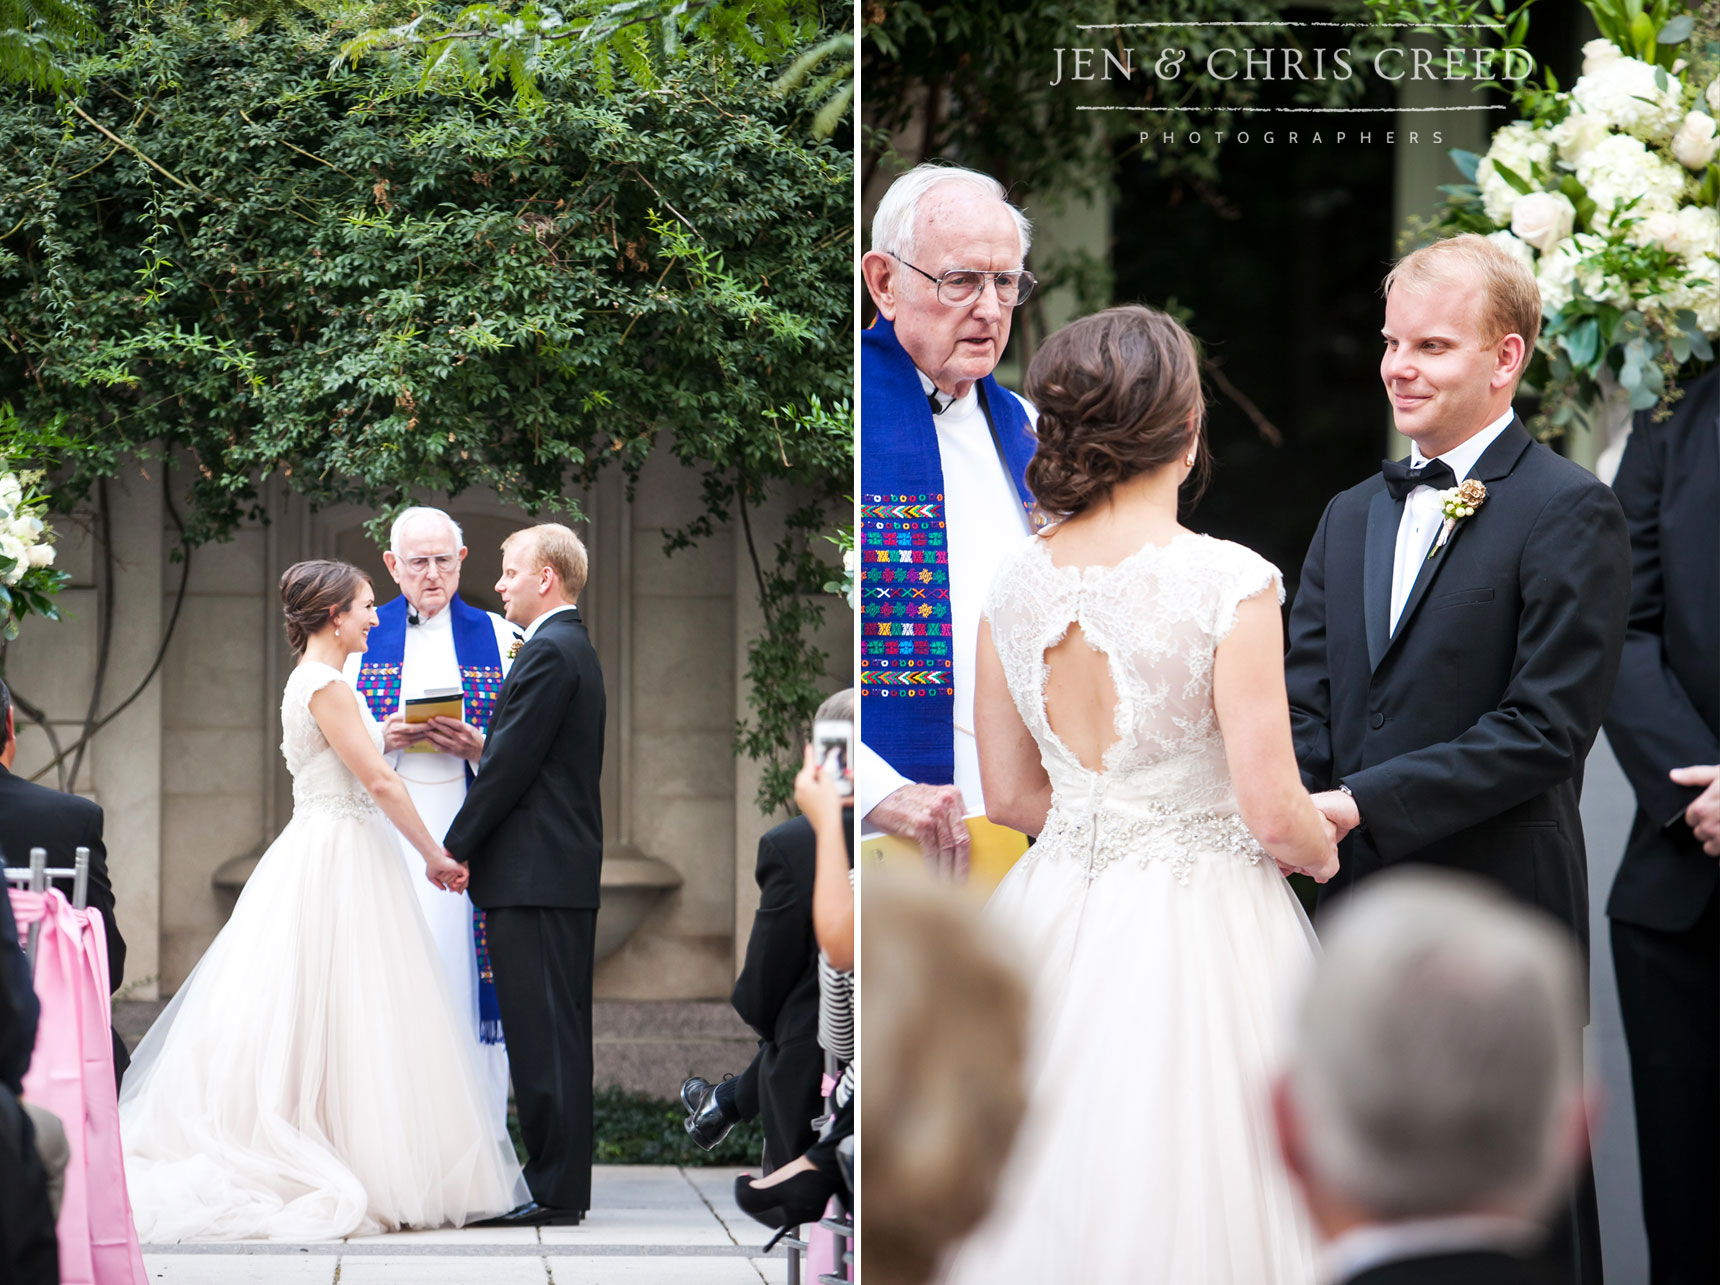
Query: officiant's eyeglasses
x=445, y=563
x=963, y=285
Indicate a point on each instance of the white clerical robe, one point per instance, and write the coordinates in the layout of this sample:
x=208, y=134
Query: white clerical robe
x=436, y=783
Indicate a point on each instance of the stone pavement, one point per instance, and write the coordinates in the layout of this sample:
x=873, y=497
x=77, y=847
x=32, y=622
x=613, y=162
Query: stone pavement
x=650, y=1225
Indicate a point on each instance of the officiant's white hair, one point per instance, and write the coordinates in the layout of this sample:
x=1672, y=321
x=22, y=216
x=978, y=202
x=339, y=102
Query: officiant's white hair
x=1438, y=1051
x=415, y=514
x=895, y=221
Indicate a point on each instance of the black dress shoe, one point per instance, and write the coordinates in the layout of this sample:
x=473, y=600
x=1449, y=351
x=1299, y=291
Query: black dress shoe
x=801, y=1199
x=532, y=1214
x=706, y=1124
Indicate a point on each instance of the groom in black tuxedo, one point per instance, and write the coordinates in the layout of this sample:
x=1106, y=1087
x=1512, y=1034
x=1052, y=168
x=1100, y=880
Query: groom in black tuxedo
x=531, y=831
x=1448, y=669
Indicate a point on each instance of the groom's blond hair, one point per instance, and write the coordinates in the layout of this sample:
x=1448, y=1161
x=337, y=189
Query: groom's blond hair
x=552, y=545
x=1511, y=301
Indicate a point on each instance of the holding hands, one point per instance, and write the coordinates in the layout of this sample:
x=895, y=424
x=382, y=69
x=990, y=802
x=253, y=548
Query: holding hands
x=1703, y=814
x=446, y=873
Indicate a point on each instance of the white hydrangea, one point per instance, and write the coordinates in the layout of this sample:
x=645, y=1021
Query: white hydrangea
x=1556, y=274
x=1522, y=149
x=1625, y=93
x=1619, y=168
x=11, y=491
x=1515, y=246
x=1703, y=299
x=1699, y=233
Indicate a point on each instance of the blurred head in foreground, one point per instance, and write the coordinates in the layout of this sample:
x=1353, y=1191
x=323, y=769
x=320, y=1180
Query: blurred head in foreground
x=1436, y=1062
x=945, y=1039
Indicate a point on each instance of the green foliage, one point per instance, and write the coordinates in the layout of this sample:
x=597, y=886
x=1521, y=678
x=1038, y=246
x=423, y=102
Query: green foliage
x=638, y=1129
x=527, y=45
x=36, y=36
x=262, y=269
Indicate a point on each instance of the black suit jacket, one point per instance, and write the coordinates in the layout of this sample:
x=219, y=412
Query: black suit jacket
x=1463, y=735
x=777, y=991
x=19, y=1009
x=1666, y=707
x=531, y=827
x=33, y=816
x=1476, y=1267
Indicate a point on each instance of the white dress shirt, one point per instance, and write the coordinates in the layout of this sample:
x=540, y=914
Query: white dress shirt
x=1422, y=519
x=532, y=628
x=983, y=522
x=1362, y=1249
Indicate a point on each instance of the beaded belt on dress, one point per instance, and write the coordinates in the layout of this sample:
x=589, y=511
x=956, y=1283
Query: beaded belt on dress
x=344, y=806
x=1096, y=832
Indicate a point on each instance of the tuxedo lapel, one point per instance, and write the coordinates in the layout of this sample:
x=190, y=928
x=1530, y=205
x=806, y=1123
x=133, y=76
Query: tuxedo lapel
x=1496, y=462
x=1379, y=552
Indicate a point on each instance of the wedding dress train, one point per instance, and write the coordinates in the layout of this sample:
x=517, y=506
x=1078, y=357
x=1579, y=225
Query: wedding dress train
x=310, y=1080
x=1165, y=947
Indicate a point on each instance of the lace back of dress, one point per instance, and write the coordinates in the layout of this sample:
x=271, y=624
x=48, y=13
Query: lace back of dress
x=301, y=739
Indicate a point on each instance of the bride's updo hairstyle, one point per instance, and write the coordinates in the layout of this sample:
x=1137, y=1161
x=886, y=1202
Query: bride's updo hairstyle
x=1115, y=392
x=314, y=593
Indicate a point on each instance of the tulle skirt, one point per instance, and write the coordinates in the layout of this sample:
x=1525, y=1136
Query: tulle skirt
x=310, y=1080
x=1160, y=1011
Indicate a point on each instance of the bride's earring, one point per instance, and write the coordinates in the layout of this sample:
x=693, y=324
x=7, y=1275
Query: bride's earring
x=337, y=631
x=1189, y=459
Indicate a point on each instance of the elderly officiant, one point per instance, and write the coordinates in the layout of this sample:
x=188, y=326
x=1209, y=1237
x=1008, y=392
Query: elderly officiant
x=428, y=642
x=944, y=450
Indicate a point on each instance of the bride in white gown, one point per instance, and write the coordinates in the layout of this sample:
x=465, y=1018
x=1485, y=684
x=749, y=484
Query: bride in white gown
x=1131, y=713
x=310, y=1079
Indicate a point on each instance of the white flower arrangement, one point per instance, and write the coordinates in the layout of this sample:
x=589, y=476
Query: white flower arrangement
x=28, y=580
x=1609, y=192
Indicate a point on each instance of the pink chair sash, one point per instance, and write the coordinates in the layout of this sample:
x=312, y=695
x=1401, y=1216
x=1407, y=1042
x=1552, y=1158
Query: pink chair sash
x=71, y=1074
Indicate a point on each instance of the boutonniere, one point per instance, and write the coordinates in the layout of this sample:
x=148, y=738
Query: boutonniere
x=1458, y=503
x=514, y=650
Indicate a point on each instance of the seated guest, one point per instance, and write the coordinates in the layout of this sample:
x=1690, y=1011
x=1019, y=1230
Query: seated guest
x=946, y=1057
x=777, y=995
x=29, y=1253
x=1432, y=1108
x=33, y=816
x=798, y=1191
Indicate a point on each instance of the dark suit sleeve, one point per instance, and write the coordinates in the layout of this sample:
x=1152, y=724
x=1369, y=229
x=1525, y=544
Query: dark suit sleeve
x=1574, y=579
x=1306, y=673
x=1652, y=725
x=100, y=896
x=19, y=1010
x=780, y=944
x=540, y=686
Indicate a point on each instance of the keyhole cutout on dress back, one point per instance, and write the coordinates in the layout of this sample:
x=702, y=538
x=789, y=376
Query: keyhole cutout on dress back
x=1081, y=698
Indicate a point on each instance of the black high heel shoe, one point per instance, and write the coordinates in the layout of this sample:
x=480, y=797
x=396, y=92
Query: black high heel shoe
x=801, y=1199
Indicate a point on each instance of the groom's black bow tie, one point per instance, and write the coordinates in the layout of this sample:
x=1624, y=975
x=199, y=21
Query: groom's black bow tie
x=1401, y=479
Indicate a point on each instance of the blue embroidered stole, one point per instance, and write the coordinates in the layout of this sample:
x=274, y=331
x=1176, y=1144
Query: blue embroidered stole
x=907, y=694
x=480, y=662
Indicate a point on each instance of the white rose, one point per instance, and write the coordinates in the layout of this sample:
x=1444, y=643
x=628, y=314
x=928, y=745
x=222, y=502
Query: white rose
x=1660, y=228
x=1714, y=94
x=1599, y=52
x=11, y=547
x=26, y=530
x=1694, y=145
x=11, y=490
x=1543, y=219
x=1523, y=150
x=42, y=555
x=1626, y=93
x=1576, y=134
x=1515, y=248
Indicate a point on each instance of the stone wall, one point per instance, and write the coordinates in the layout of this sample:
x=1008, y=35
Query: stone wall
x=191, y=776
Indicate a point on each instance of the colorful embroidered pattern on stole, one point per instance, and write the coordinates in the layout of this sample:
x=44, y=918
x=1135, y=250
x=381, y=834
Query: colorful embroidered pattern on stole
x=379, y=684
x=905, y=597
